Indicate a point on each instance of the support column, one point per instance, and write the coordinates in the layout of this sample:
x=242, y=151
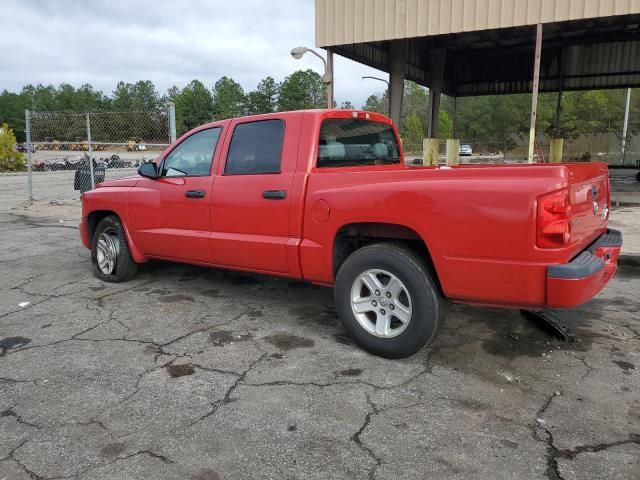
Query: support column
x=398, y=58
x=436, y=75
x=534, y=95
x=557, y=142
x=453, y=151
x=560, y=91
x=555, y=150
x=558, y=110
x=27, y=117
x=330, y=77
x=171, y=110
x=455, y=113
x=90, y=149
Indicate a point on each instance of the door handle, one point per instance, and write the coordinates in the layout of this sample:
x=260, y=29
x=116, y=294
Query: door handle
x=274, y=194
x=194, y=194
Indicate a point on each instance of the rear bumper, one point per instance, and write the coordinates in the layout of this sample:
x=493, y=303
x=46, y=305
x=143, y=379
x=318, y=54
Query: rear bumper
x=571, y=284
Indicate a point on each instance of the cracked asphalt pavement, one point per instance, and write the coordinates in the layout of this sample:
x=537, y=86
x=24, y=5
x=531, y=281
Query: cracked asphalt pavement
x=202, y=374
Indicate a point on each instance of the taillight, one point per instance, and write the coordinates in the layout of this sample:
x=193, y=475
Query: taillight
x=554, y=229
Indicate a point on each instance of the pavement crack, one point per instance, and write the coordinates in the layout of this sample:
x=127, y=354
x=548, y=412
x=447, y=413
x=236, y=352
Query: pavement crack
x=150, y=453
x=589, y=368
x=13, y=380
x=572, y=453
x=28, y=471
x=217, y=404
x=356, y=438
x=542, y=434
x=10, y=412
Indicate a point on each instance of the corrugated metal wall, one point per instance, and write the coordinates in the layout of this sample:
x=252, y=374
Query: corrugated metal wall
x=340, y=22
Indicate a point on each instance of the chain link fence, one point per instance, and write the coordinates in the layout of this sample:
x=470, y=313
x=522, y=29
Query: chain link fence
x=69, y=153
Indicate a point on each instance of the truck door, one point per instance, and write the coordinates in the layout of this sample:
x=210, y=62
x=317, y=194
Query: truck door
x=252, y=195
x=171, y=215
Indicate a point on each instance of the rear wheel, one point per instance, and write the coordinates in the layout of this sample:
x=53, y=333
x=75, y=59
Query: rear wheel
x=110, y=255
x=388, y=301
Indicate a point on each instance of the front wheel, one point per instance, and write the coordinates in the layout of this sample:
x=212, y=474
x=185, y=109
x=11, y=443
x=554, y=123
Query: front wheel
x=388, y=301
x=110, y=255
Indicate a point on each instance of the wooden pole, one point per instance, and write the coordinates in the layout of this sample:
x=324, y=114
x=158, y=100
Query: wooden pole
x=625, y=126
x=534, y=95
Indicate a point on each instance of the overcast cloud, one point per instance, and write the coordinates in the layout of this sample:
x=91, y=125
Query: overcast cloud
x=169, y=43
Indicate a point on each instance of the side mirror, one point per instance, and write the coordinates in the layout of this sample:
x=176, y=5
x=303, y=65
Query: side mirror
x=148, y=170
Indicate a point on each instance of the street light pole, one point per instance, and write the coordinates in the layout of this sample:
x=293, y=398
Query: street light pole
x=327, y=78
x=380, y=80
x=329, y=72
x=377, y=78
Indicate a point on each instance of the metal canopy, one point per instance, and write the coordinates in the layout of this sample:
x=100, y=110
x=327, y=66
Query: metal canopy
x=593, y=53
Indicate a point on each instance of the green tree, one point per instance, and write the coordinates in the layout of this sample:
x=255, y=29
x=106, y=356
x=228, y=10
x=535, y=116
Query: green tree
x=84, y=99
x=346, y=105
x=412, y=132
x=445, y=125
x=264, y=99
x=228, y=99
x=12, y=107
x=41, y=98
x=302, y=90
x=377, y=104
x=10, y=159
x=415, y=100
x=194, y=105
x=140, y=96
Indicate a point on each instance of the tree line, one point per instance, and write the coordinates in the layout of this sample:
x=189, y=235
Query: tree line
x=489, y=119
x=195, y=103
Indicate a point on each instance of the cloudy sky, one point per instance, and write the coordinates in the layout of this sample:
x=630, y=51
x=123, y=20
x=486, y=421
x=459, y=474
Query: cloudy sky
x=169, y=42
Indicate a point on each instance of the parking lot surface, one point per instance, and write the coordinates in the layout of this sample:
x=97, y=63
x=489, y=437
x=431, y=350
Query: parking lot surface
x=193, y=373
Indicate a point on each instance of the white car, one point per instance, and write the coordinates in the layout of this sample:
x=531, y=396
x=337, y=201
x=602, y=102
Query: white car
x=465, y=151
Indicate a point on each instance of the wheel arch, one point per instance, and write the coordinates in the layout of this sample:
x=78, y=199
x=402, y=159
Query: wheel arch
x=353, y=236
x=96, y=216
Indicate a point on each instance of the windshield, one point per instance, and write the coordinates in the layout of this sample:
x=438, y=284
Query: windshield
x=351, y=141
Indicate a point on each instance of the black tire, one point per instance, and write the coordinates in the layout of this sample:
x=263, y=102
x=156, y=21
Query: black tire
x=428, y=305
x=638, y=176
x=125, y=268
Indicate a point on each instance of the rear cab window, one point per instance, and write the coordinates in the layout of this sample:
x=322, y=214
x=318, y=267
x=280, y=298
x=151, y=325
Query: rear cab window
x=347, y=142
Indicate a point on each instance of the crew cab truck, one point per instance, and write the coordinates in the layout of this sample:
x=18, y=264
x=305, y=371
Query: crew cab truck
x=325, y=196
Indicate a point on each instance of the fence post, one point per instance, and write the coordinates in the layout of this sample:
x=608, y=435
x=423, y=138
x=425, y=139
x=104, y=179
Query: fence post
x=27, y=118
x=172, y=122
x=93, y=178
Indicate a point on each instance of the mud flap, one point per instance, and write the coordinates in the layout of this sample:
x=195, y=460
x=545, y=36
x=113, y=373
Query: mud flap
x=551, y=323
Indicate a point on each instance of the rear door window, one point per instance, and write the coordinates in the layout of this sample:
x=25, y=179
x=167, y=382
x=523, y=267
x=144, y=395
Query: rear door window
x=352, y=141
x=256, y=148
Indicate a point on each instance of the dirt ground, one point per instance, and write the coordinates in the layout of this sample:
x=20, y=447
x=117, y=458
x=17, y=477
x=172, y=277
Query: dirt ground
x=202, y=374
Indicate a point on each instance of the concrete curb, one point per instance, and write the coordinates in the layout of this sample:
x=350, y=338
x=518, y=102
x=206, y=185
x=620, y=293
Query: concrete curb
x=629, y=260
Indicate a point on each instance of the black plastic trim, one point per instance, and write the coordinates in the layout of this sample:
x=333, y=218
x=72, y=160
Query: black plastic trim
x=586, y=263
x=582, y=266
x=612, y=238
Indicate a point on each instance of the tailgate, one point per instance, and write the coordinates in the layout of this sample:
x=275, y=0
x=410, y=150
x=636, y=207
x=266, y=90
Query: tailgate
x=589, y=198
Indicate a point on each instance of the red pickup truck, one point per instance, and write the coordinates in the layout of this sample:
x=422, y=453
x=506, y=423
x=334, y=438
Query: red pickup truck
x=325, y=196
